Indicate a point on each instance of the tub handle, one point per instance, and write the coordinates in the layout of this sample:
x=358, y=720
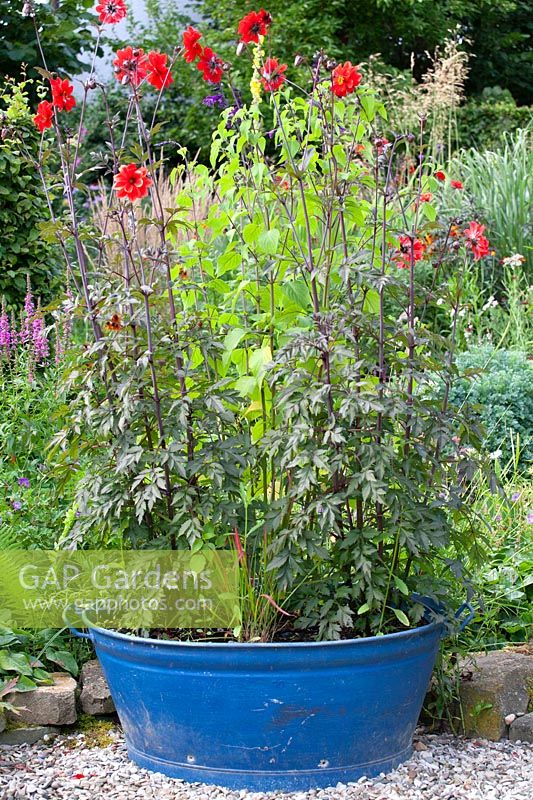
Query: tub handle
x=439, y=610
x=81, y=613
x=466, y=606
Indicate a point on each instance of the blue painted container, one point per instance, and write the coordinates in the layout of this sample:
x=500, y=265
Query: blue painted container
x=270, y=716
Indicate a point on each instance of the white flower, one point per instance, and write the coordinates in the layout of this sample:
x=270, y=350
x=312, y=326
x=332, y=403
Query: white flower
x=515, y=261
x=496, y=454
x=440, y=301
x=491, y=303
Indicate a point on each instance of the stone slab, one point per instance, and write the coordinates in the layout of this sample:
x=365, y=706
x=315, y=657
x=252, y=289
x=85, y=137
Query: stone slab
x=46, y=705
x=495, y=686
x=30, y=735
x=522, y=729
x=95, y=697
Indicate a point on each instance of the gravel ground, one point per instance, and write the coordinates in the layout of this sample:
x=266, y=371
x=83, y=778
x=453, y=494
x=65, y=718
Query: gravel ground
x=442, y=768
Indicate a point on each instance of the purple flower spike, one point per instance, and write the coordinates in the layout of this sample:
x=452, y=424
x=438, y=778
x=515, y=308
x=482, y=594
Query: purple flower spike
x=17, y=505
x=6, y=337
x=24, y=482
x=530, y=518
x=27, y=317
x=39, y=340
x=515, y=496
x=213, y=100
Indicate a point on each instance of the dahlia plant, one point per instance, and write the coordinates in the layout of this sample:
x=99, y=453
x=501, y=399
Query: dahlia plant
x=262, y=377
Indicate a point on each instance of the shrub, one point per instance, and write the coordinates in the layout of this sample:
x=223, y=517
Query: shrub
x=500, y=384
x=23, y=205
x=484, y=122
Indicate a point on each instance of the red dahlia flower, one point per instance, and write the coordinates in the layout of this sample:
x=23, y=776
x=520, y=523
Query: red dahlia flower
x=345, y=79
x=132, y=182
x=131, y=65
x=159, y=74
x=457, y=184
x=254, y=25
x=193, y=50
x=426, y=197
x=44, y=116
x=408, y=246
x=440, y=175
x=272, y=76
x=62, y=94
x=211, y=65
x=111, y=11
x=476, y=241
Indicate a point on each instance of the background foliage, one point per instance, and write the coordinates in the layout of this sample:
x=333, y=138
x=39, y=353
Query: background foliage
x=65, y=34
x=22, y=204
x=500, y=384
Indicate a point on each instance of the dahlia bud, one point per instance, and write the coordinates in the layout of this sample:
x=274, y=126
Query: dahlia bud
x=298, y=61
x=27, y=9
x=91, y=83
x=410, y=137
x=330, y=64
x=241, y=47
x=146, y=290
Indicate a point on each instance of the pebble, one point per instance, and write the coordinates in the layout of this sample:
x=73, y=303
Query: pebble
x=443, y=767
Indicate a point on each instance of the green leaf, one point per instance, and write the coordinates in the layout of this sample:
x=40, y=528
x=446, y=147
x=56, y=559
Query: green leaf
x=250, y=233
x=42, y=676
x=371, y=302
x=297, y=293
x=64, y=659
x=429, y=211
x=25, y=684
x=15, y=662
x=268, y=242
x=233, y=338
x=403, y=618
x=363, y=609
x=401, y=585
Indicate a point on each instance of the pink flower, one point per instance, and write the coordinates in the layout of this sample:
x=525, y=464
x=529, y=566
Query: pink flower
x=475, y=240
x=6, y=336
x=39, y=340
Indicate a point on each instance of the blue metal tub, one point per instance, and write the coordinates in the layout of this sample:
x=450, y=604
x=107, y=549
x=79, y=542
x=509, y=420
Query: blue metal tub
x=269, y=716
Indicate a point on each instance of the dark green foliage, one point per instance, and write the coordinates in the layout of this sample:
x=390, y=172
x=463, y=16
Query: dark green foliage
x=65, y=31
x=23, y=206
x=500, y=384
x=483, y=122
x=347, y=30
x=499, y=33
